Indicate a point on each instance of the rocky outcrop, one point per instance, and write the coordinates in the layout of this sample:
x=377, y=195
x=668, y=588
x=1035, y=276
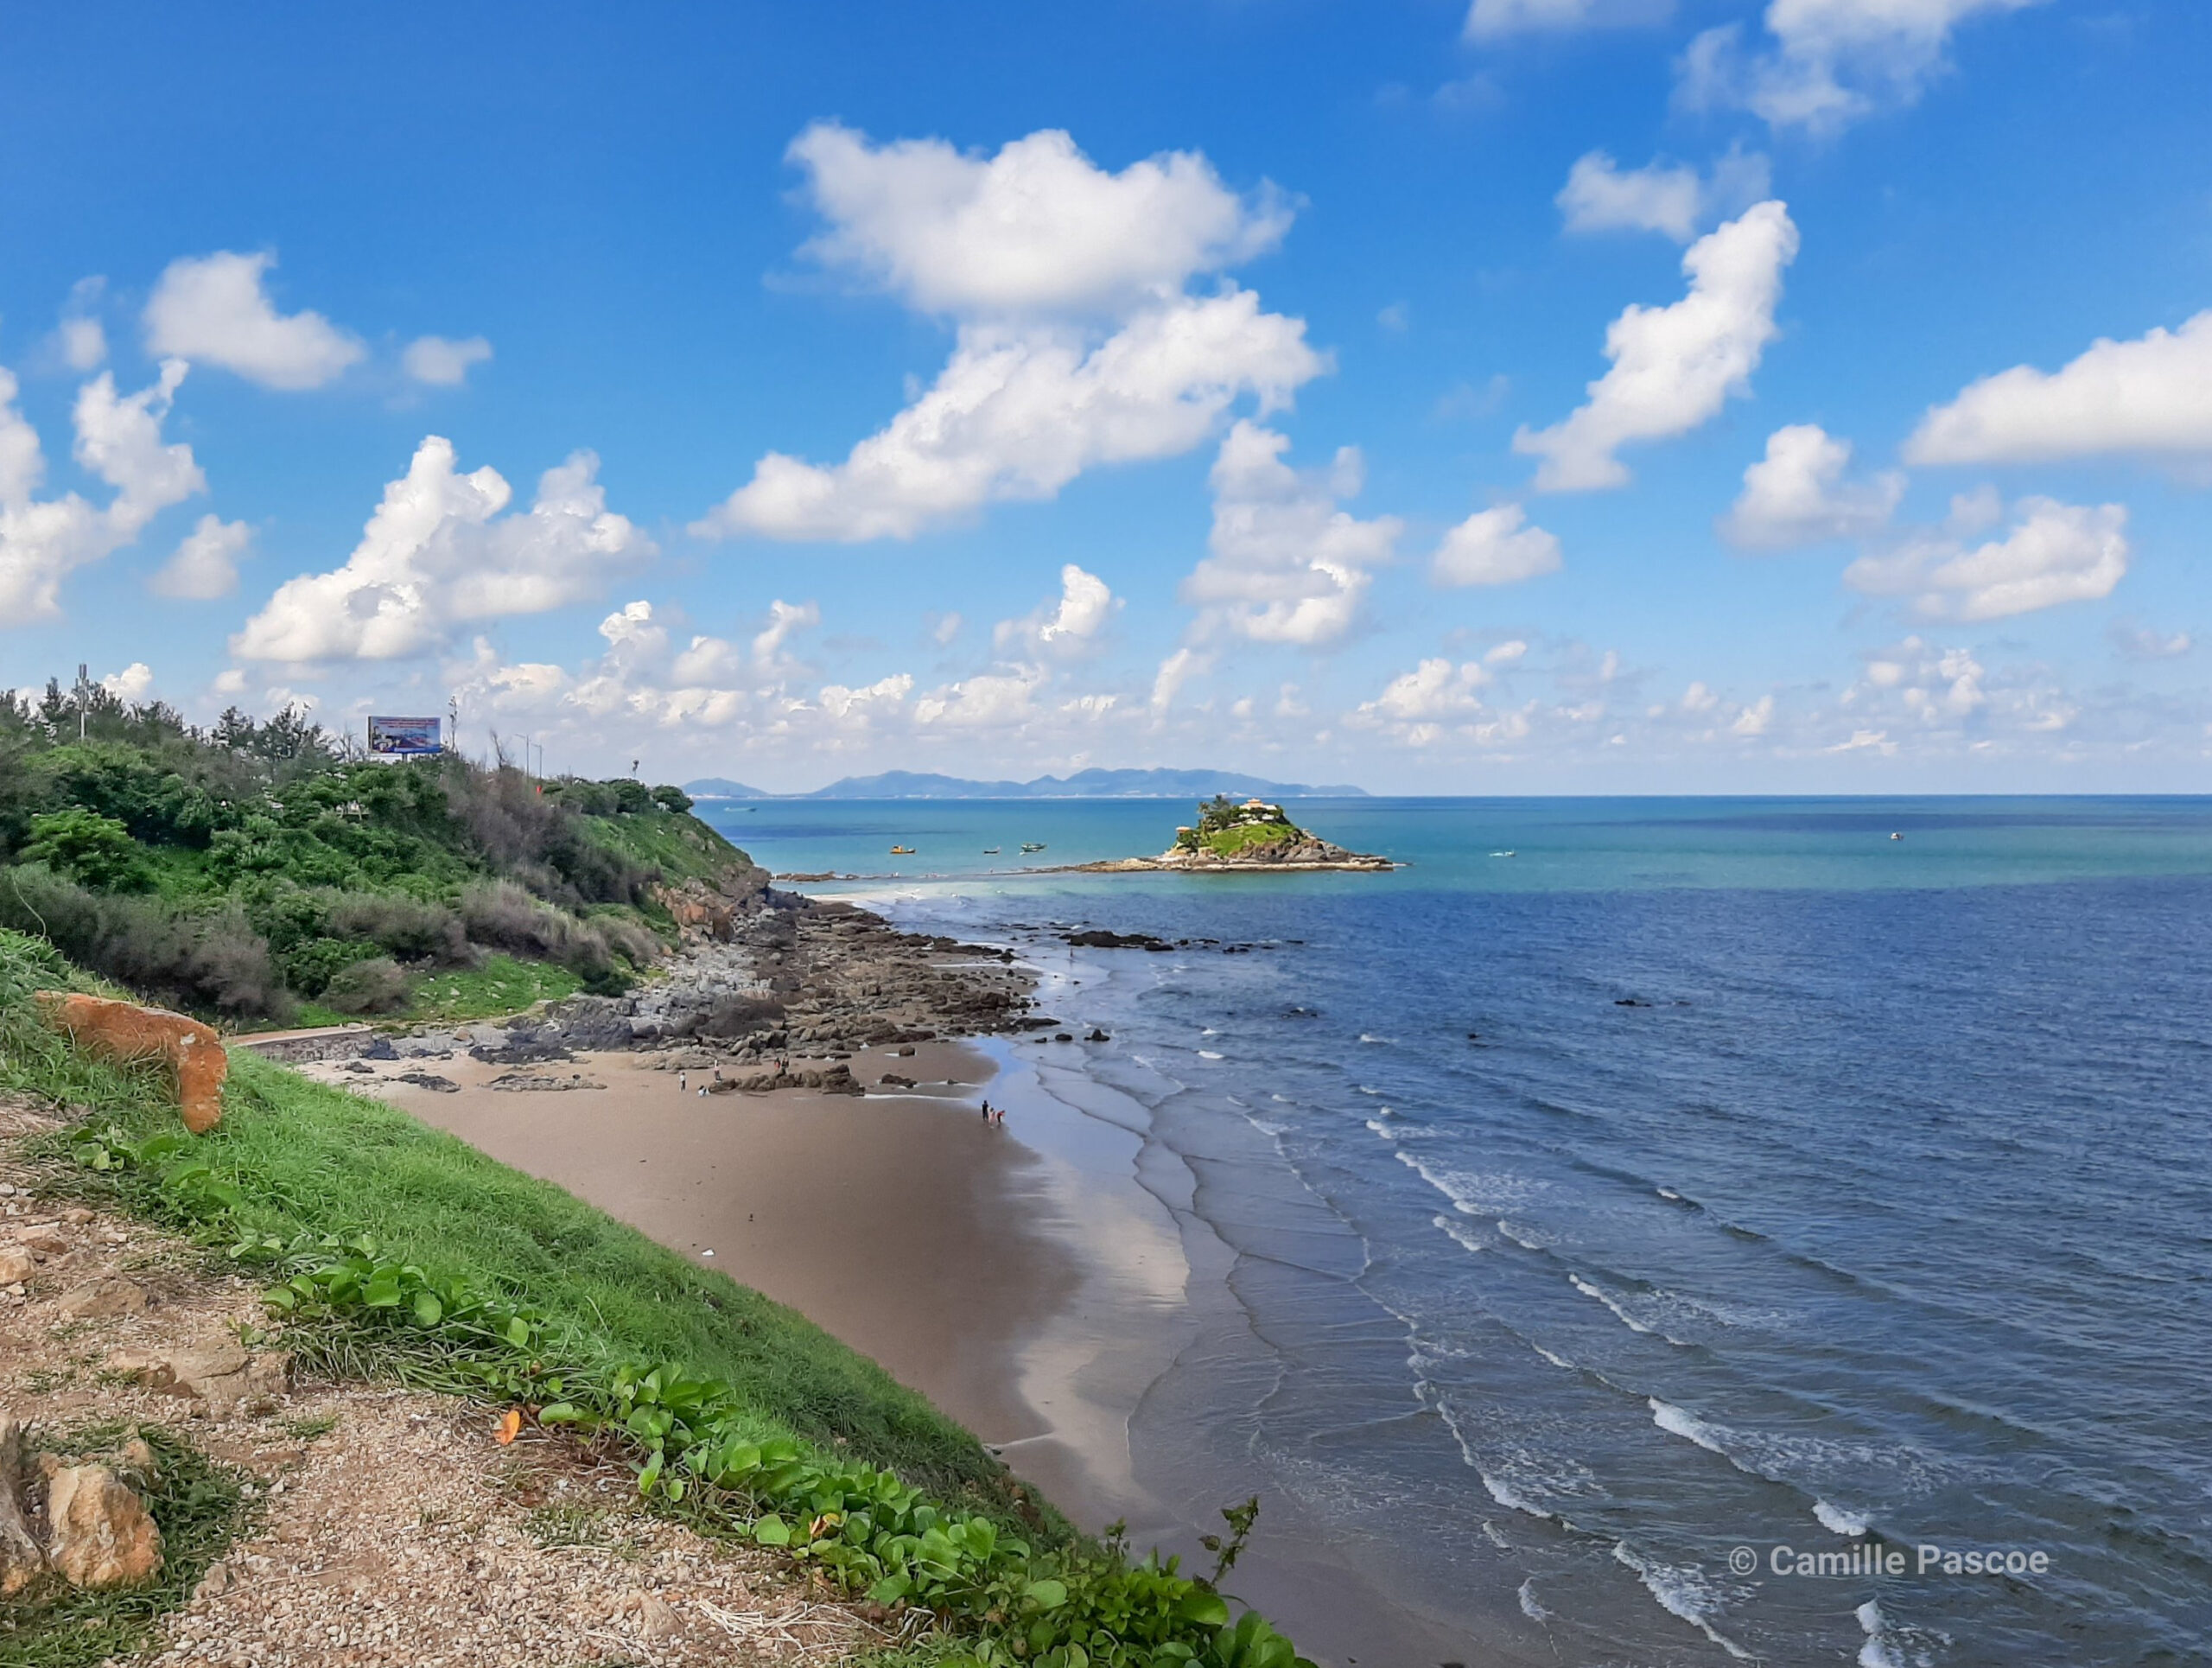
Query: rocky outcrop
x=98, y=1533
x=124, y=1031
x=711, y=910
x=827, y=1079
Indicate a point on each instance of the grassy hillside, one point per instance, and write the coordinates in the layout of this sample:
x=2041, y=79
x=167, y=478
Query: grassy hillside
x=257, y=871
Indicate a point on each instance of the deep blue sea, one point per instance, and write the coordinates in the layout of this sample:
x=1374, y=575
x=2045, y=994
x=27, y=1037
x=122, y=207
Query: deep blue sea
x=1628, y=1186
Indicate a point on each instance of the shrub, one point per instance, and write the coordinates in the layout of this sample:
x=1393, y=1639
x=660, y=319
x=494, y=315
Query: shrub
x=404, y=928
x=503, y=915
x=673, y=800
x=374, y=986
x=87, y=847
x=211, y=962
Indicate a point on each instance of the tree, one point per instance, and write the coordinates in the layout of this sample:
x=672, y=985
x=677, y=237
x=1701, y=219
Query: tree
x=95, y=850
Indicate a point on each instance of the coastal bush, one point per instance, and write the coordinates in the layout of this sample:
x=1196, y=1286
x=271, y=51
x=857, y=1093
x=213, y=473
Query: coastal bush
x=375, y=985
x=407, y=928
x=95, y=850
x=211, y=960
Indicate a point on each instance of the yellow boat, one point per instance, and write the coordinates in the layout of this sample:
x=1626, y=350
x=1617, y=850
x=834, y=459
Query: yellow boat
x=902, y=850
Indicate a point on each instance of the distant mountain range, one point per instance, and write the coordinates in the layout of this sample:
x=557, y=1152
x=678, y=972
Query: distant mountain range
x=1083, y=784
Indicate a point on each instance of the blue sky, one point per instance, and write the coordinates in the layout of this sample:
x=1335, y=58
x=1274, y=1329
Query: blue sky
x=1543, y=395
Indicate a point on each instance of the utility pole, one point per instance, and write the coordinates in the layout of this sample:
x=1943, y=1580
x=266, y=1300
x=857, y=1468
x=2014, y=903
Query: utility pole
x=453, y=724
x=84, y=696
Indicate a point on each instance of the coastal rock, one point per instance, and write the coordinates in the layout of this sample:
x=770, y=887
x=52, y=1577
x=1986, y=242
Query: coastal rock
x=126, y=1032
x=1098, y=938
x=521, y=1047
x=22, y=1559
x=98, y=1533
x=894, y=1080
x=223, y=1376
x=827, y=1079
x=16, y=1265
x=97, y=1299
x=431, y=1081
x=541, y=1082
x=44, y=1238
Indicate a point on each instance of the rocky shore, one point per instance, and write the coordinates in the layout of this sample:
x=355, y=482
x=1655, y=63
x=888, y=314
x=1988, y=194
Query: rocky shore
x=752, y=985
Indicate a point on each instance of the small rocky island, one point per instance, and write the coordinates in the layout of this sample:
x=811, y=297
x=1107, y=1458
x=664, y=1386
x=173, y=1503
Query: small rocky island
x=1251, y=838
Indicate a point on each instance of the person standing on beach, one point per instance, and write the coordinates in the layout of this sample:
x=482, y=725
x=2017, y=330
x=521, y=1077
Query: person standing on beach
x=683, y=1081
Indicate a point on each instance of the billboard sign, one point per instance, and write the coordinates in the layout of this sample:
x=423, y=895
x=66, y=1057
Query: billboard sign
x=405, y=738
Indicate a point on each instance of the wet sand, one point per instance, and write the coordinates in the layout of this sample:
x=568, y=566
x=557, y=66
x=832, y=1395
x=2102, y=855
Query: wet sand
x=899, y=1222
x=1018, y=1276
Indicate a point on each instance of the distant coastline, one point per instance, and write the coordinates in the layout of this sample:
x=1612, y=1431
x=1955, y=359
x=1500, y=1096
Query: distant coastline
x=1094, y=784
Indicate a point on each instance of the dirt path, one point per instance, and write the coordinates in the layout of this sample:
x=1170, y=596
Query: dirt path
x=391, y=1528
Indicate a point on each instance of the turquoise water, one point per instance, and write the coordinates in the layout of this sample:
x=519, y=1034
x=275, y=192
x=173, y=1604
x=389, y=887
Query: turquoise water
x=1558, y=845
x=1708, y=1177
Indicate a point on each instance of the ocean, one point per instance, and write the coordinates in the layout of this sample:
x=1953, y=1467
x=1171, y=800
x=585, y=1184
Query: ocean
x=1653, y=1225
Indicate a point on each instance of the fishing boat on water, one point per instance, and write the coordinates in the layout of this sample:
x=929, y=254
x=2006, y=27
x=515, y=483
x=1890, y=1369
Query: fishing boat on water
x=990, y=851
x=902, y=850
x=1033, y=845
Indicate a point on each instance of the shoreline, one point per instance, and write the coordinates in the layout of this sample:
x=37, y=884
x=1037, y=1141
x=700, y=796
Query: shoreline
x=1035, y=1281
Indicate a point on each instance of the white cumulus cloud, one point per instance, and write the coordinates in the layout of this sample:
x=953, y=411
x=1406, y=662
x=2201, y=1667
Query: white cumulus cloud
x=119, y=440
x=1674, y=367
x=439, y=551
x=1796, y=495
x=443, y=363
x=1491, y=547
x=1086, y=603
x=2152, y=396
x=2133, y=642
x=205, y=564
x=214, y=309
x=2054, y=553
x=1078, y=344
x=1022, y=410
x=1287, y=565
x=1672, y=198
x=1037, y=228
x=1830, y=61
x=131, y=684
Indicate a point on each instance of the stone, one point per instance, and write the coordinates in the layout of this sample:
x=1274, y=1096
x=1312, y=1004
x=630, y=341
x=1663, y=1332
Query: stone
x=125, y=1031
x=223, y=1376
x=97, y=1298
x=16, y=1265
x=137, y=1457
x=153, y=1371
x=214, y=1583
x=44, y=1238
x=98, y=1533
x=658, y=1620
x=76, y=1216
x=22, y=1559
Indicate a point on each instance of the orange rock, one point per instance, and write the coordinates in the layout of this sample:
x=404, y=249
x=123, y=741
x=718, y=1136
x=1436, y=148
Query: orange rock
x=124, y=1031
x=98, y=1533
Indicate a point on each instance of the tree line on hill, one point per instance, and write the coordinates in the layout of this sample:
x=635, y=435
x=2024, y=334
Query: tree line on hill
x=241, y=869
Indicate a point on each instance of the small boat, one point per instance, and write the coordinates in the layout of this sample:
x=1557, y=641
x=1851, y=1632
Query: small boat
x=1501, y=854
x=902, y=850
x=990, y=851
x=1897, y=837
x=1033, y=845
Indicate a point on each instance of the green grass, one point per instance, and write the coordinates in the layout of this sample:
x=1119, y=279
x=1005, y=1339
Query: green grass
x=503, y=984
x=1233, y=842
x=684, y=847
x=200, y=1510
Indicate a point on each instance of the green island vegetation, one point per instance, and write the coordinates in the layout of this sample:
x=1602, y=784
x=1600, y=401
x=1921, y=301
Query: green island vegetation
x=1231, y=828
x=389, y=1251
x=265, y=872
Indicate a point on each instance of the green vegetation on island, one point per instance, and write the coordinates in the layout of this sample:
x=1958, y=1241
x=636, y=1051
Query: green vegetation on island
x=257, y=871
x=1228, y=828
